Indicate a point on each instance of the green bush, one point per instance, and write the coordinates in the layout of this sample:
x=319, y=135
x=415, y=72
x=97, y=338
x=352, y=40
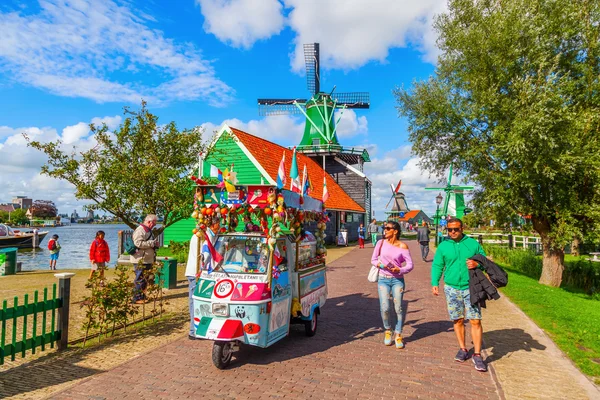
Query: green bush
x=579, y=272
x=175, y=250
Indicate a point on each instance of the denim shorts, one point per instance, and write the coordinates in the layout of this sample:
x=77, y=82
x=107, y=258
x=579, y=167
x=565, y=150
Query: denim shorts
x=54, y=256
x=459, y=304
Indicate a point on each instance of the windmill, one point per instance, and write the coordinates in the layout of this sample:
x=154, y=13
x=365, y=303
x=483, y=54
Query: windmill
x=454, y=202
x=400, y=206
x=320, y=129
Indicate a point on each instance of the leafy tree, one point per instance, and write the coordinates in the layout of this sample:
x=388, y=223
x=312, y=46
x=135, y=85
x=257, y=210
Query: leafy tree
x=43, y=209
x=514, y=104
x=139, y=169
x=19, y=217
x=3, y=216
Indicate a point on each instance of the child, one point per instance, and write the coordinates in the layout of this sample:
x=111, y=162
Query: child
x=54, y=248
x=99, y=254
x=361, y=237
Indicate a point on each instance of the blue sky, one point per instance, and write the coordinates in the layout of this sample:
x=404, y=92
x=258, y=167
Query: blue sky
x=64, y=64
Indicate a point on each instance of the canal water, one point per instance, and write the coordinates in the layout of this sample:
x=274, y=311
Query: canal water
x=75, y=241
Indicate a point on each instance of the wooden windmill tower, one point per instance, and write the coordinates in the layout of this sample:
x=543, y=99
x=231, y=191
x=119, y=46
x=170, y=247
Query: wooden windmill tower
x=454, y=201
x=399, y=205
x=320, y=141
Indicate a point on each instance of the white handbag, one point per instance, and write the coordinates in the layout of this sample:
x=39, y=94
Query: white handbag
x=374, y=271
x=373, y=274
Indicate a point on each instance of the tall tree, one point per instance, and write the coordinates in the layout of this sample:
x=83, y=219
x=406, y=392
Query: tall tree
x=514, y=103
x=139, y=169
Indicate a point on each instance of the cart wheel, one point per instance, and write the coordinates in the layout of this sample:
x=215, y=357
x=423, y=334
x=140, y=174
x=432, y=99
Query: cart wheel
x=310, y=327
x=221, y=354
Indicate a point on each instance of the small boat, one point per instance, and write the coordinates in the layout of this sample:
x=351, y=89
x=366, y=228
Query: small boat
x=19, y=239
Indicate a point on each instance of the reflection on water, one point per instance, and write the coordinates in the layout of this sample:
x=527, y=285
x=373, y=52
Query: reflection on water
x=75, y=252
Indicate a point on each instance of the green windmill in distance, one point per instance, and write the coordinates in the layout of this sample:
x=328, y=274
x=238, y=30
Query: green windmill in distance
x=320, y=135
x=454, y=201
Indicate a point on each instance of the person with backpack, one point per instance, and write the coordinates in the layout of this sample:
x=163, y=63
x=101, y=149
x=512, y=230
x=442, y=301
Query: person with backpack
x=144, y=256
x=423, y=239
x=54, y=248
x=99, y=255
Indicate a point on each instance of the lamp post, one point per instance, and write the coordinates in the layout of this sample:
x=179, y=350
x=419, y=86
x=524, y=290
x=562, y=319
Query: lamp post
x=438, y=201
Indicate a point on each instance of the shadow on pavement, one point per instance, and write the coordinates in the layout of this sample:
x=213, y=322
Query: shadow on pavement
x=427, y=329
x=343, y=319
x=55, y=368
x=502, y=342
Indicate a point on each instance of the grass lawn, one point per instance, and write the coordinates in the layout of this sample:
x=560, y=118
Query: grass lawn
x=571, y=319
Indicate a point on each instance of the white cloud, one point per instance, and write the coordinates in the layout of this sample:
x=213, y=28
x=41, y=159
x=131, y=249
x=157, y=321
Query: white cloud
x=76, y=49
x=20, y=164
x=352, y=33
x=350, y=124
x=242, y=22
x=111, y=122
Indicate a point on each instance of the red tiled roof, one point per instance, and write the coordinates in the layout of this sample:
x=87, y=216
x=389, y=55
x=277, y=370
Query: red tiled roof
x=7, y=207
x=269, y=155
x=409, y=215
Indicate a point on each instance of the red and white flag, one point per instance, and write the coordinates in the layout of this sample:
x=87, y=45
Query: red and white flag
x=281, y=178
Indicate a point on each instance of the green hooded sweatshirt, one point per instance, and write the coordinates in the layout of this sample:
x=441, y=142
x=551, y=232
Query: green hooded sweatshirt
x=451, y=259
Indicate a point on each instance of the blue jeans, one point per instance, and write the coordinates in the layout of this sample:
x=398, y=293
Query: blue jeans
x=140, y=284
x=395, y=286
x=192, y=287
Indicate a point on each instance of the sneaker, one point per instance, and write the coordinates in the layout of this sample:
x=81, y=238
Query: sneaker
x=399, y=342
x=479, y=364
x=462, y=355
x=388, y=338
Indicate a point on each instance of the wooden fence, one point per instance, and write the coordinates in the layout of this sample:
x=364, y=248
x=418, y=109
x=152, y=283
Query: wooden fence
x=22, y=338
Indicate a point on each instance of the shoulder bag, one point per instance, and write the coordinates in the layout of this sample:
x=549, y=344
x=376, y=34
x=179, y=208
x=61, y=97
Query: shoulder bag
x=374, y=271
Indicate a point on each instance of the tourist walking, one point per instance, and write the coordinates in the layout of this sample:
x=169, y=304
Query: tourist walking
x=99, y=255
x=452, y=259
x=423, y=239
x=361, y=236
x=389, y=255
x=144, y=257
x=196, y=257
x=373, y=230
x=54, y=248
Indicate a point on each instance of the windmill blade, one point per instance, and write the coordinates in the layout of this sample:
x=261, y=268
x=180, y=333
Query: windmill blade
x=398, y=186
x=352, y=99
x=313, y=72
x=435, y=188
x=463, y=187
x=268, y=107
x=389, y=201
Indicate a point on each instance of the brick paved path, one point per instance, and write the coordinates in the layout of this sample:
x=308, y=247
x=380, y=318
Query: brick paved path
x=346, y=358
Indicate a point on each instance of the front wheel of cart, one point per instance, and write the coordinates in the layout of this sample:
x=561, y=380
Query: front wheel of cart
x=310, y=327
x=221, y=354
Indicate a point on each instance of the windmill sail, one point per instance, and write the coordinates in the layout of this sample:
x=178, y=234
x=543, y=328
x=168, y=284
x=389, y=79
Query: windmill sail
x=313, y=72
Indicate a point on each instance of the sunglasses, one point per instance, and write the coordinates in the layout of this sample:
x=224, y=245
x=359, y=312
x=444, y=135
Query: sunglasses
x=388, y=228
x=453, y=229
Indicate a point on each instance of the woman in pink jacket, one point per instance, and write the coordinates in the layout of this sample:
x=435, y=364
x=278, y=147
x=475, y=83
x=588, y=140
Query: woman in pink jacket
x=99, y=254
x=389, y=255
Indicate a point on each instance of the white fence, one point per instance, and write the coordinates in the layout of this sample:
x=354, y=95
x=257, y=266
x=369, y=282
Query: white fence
x=512, y=241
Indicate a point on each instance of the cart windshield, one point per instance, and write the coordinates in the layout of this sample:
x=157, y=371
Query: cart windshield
x=244, y=254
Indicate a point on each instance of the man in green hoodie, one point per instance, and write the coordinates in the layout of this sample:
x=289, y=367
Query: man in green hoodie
x=452, y=259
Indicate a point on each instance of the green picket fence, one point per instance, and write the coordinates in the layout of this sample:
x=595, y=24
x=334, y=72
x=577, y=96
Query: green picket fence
x=21, y=337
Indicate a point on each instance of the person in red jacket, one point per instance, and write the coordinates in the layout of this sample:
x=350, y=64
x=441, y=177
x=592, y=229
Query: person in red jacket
x=99, y=254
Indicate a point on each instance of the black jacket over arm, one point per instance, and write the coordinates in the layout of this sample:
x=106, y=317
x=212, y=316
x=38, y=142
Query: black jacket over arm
x=480, y=287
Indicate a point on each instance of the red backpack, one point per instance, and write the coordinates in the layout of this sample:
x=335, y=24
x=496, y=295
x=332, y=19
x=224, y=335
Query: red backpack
x=51, y=244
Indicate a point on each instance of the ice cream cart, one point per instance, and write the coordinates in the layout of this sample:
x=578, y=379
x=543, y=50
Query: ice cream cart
x=272, y=273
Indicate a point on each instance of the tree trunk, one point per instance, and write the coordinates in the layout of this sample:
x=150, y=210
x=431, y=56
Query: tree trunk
x=553, y=264
x=575, y=246
x=553, y=261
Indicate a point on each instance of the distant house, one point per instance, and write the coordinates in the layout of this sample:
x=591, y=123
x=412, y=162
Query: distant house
x=414, y=217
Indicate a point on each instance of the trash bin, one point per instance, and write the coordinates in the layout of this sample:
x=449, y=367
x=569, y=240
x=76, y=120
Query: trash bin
x=8, y=261
x=167, y=273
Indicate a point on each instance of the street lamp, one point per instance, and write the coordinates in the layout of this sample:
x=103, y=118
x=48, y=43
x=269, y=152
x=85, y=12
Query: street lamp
x=438, y=201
